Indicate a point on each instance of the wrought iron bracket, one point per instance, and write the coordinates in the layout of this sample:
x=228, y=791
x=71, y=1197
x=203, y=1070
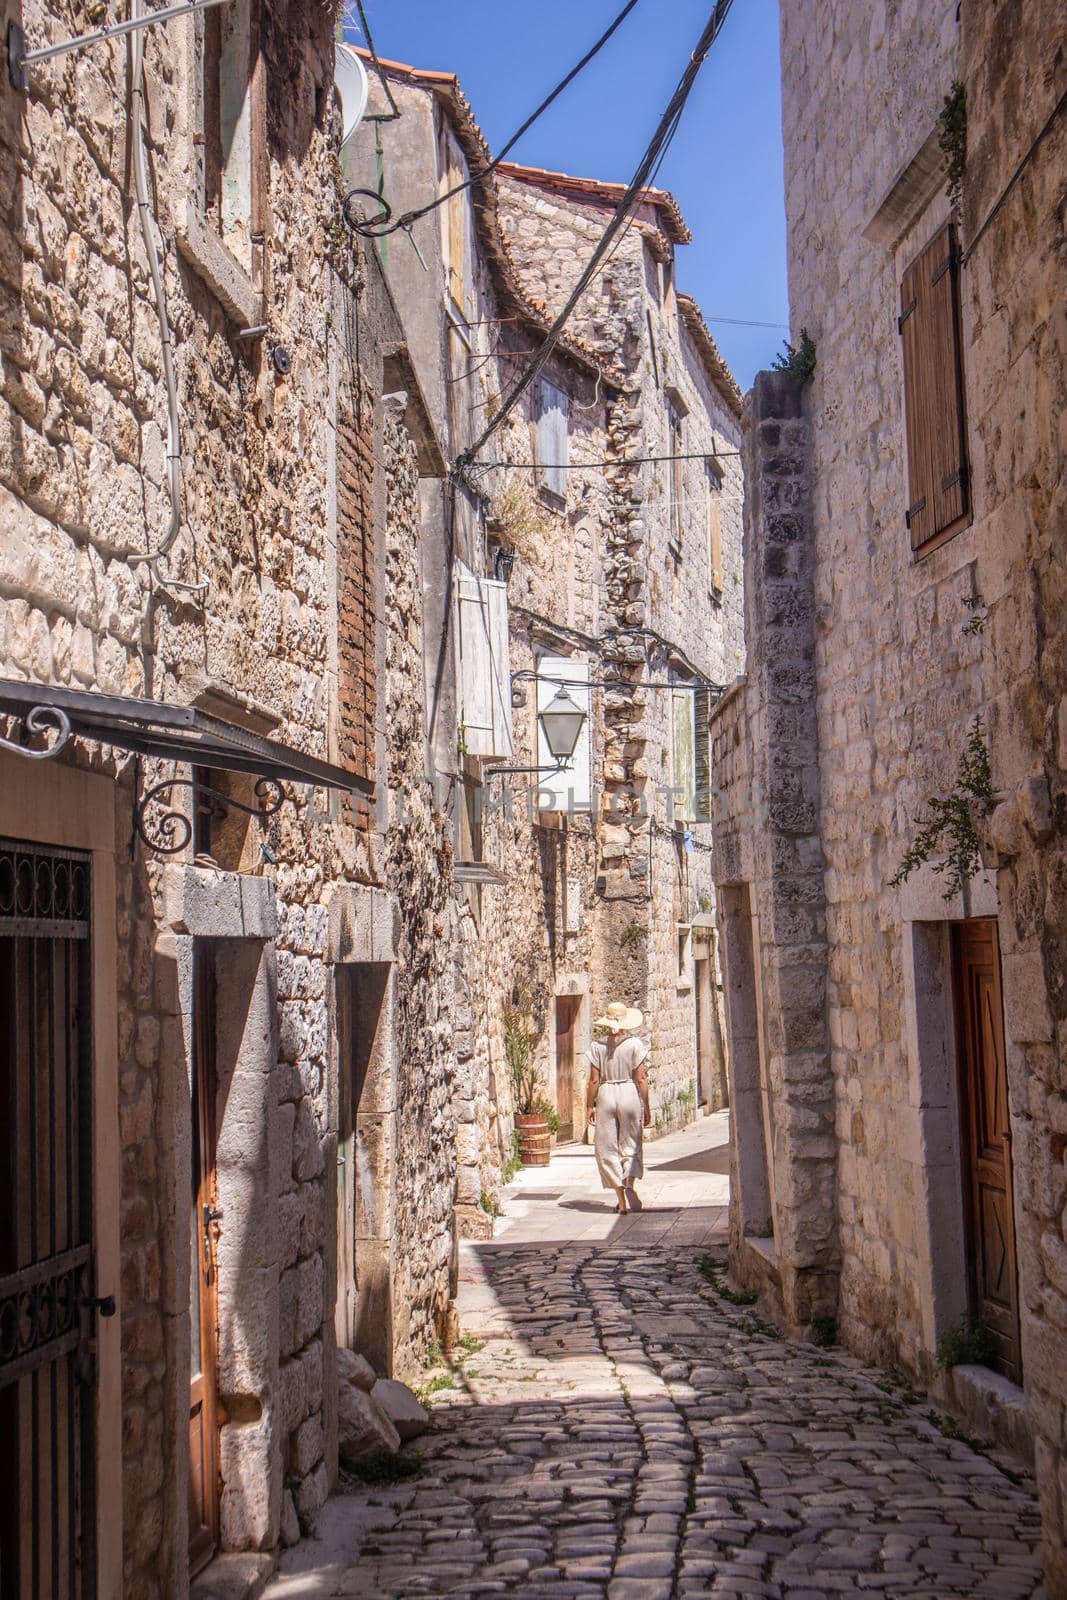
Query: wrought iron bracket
x=173, y=830
x=37, y=720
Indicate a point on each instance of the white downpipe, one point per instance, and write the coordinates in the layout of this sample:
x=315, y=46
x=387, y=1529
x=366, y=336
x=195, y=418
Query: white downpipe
x=144, y=212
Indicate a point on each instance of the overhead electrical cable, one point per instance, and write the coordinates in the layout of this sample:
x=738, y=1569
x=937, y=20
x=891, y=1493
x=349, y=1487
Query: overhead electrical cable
x=371, y=231
x=394, y=109
x=653, y=154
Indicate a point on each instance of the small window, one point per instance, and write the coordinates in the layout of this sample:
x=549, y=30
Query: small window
x=714, y=483
x=553, y=438
x=231, y=127
x=939, y=503
x=677, y=481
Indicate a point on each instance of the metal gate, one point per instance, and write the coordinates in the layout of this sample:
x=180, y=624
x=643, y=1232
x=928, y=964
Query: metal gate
x=47, y=1377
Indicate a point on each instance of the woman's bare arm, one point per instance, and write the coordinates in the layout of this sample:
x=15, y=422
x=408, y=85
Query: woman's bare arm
x=590, y=1095
x=641, y=1080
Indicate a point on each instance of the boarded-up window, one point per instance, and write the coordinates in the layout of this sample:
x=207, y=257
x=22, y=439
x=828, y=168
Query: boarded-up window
x=691, y=777
x=571, y=789
x=482, y=649
x=715, y=477
x=553, y=438
x=677, y=482
x=455, y=222
x=938, y=488
x=356, y=621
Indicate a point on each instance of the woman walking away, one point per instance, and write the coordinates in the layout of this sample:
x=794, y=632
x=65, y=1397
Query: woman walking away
x=618, y=1102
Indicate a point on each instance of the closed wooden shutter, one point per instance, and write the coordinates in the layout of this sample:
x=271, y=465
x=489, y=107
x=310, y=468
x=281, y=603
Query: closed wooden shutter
x=684, y=774
x=702, y=754
x=938, y=488
x=356, y=598
x=553, y=439
x=484, y=664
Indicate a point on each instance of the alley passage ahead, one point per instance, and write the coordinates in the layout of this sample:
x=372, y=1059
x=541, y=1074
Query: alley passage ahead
x=624, y=1431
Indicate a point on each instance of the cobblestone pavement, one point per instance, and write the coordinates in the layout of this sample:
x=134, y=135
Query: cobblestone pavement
x=615, y=1428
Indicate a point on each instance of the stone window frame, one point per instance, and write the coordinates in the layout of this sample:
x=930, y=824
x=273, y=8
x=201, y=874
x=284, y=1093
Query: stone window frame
x=237, y=284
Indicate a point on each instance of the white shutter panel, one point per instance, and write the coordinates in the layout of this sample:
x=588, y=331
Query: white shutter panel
x=684, y=777
x=571, y=789
x=500, y=657
x=553, y=438
x=484, y=665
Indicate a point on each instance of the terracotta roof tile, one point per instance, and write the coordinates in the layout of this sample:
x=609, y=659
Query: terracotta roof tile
x=718, y=372
x=563, y=183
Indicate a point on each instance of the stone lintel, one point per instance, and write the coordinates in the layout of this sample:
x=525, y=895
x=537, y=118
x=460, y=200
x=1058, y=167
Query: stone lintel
x=217, y=905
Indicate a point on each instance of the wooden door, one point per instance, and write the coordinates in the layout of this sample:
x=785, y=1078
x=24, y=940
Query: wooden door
x=985, y=1138
x=567, y=1007
x=203, y=1294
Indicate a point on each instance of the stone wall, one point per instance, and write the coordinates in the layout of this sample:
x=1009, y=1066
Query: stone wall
x=1015, y=395
x=660, y=614
x=83, y=498
x=910, y=651
x=769, y=866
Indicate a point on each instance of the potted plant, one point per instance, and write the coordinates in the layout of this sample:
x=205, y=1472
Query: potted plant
x=531, y=1122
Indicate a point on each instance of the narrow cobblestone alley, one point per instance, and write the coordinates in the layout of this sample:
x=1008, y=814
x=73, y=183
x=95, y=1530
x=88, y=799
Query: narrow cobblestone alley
x=613, y=1427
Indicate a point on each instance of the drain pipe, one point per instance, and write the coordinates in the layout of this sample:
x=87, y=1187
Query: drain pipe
x=144, y=212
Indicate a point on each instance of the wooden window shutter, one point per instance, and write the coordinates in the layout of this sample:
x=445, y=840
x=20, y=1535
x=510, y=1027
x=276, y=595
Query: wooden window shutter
x=684, y=774
x=553, y=438
x=484, y=664
x=356, y=619
x=702, y=754
x=938, y=487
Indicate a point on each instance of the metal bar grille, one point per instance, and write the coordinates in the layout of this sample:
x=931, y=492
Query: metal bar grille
x=47, y=1366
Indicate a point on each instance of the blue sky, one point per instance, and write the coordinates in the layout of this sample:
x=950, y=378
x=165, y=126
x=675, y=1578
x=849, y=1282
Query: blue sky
x=725, y=166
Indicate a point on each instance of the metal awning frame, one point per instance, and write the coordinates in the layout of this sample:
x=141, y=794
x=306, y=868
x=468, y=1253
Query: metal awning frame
x=153, y=729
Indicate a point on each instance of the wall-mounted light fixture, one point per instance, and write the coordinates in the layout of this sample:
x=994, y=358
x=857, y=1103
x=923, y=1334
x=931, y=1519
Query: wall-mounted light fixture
x=562, y=721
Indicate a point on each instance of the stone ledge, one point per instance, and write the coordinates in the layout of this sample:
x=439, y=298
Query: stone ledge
x=242, y=1576
x=213, y=263
x=991, y=1404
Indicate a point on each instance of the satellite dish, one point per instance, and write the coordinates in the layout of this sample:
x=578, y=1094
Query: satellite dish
x=353, y=86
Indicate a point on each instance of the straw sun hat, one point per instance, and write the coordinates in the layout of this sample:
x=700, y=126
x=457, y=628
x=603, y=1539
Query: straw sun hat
x=619, y=1017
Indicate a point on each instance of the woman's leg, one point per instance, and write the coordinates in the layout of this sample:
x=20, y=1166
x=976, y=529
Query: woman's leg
x=630, y=1134
x=606, y=1138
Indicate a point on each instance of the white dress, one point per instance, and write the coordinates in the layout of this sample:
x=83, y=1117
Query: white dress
x=619, y=1112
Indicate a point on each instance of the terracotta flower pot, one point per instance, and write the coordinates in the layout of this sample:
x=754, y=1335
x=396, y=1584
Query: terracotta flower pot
x=535, y=1141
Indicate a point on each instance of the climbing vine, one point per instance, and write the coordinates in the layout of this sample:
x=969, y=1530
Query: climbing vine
x=798, y=359
x=950, y=821
x=952, y=138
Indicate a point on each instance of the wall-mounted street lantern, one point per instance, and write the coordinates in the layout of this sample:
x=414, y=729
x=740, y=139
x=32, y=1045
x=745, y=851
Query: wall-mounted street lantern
x=562, y=721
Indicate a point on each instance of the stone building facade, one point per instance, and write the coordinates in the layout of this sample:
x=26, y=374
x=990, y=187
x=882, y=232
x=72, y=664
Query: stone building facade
x=606, y=573
x=897, y=1031
x=213, y=585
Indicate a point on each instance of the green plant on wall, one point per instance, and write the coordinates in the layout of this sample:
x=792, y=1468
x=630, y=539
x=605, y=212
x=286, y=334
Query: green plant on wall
x=798, y=359
x=952, y=137
x=949, y=826
x=520, y=1046
x=632, y=935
